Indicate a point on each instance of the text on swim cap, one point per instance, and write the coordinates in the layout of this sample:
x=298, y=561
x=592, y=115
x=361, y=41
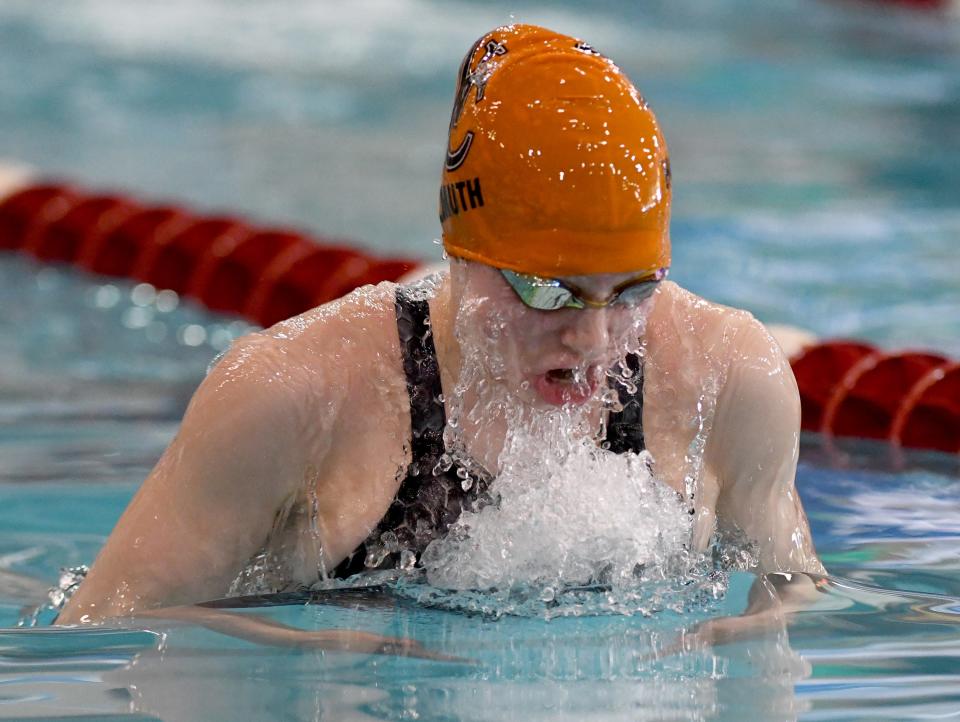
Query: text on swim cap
x=463, y=195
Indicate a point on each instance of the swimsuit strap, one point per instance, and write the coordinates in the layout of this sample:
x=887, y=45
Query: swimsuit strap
x=422, y=371
x=432, y=494
x=625, y=428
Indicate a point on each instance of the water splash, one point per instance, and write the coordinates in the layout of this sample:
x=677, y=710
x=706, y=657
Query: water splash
x=573, y=526
x=57, y=597
x=568, y=513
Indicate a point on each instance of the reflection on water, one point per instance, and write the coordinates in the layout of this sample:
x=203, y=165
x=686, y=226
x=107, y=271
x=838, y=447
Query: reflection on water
x=865, y=650
x=855, y=641
x=813, y=146
x=882, y=522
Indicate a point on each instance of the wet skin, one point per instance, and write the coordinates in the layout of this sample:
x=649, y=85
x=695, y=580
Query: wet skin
x=549, y=357
x=313, y=413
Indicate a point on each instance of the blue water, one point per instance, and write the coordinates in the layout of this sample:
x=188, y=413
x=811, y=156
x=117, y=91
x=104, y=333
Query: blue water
x=816, y=165
x=814, y=144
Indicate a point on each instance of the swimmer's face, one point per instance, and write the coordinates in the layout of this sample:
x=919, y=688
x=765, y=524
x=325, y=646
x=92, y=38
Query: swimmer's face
x=548, y=357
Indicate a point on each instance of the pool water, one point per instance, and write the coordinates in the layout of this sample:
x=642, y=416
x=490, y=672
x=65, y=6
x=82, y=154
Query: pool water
x=815, y=160
x=883, y=643
x=814, y=148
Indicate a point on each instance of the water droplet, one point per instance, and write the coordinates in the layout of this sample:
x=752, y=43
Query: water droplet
x=375, y=557
x=390, y=542
x=408, y=560
x=443, y=465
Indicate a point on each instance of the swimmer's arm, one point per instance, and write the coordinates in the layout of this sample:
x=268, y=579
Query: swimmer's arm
x=260, y=630
x=208, y=505
x=753, y=451
x=773, y=597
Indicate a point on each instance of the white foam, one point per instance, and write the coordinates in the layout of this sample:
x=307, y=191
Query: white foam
x=569, y=513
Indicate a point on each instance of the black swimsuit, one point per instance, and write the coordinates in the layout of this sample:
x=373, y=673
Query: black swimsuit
x=436, y=489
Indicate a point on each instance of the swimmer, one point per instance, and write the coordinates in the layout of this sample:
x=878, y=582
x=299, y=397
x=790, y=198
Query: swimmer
x=322, y=446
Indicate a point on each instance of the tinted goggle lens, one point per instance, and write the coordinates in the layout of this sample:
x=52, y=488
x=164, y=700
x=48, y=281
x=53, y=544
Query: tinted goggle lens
x=551, y=294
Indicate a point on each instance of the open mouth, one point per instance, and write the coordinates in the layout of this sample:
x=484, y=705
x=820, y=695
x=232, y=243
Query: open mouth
x=564, y=375
x=568, y=385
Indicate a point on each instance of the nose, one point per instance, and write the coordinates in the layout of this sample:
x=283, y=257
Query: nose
x=585, y=331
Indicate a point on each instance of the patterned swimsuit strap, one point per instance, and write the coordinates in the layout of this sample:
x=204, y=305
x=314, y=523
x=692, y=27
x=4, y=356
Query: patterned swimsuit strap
x=625, y=428
x=422, y=371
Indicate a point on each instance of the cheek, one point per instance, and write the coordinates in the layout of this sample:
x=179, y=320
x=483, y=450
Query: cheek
x=626, y=326
x=527, y=338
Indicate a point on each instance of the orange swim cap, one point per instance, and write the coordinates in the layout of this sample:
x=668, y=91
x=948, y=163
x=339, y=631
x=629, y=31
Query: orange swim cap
x=555, y=164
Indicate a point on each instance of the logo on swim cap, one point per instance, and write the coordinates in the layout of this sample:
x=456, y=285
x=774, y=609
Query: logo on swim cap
x=467, y=80
x=586, y=48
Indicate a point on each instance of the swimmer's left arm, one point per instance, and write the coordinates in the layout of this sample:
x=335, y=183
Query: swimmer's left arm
x=753, y=451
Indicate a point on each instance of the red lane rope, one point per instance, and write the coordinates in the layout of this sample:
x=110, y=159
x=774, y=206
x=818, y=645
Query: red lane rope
x=32, y=208
x=226, y=264
x=847, y=388
x=929, y=416
x=852, y=389
x=864, y=402
x=818, y=370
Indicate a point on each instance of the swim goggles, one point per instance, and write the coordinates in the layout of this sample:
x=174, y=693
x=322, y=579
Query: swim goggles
x=551, y=294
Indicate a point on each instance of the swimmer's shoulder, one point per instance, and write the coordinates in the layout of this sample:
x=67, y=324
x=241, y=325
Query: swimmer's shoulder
x=316, y=358
x=346, y=330
x=679, y=305
x=724, y=331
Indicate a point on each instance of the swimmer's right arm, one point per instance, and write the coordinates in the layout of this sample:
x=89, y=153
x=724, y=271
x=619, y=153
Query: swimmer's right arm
x=210, y=502
x=261, y=630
